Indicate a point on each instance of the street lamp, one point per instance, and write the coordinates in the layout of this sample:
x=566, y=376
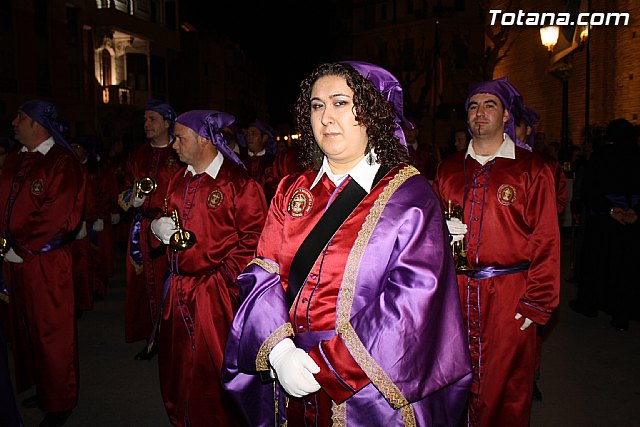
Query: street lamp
x=549, y=36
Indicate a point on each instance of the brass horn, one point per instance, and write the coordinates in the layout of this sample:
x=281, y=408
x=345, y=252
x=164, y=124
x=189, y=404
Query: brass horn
x=182, y=239
x=458, y=248
x=4, y=246
x=145, y=186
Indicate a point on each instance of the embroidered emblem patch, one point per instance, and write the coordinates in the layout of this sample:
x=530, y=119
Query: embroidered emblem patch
x=506, y=194
x=214, y=199
x=36, y=187
x=171, y=161
x=300, y=203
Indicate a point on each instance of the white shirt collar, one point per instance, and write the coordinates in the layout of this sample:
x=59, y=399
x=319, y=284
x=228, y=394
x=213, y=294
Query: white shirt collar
x=171, y=139
x=363, y=173
x=258, y=154
x=211, y=170
x=506, y=150
x=43, y=147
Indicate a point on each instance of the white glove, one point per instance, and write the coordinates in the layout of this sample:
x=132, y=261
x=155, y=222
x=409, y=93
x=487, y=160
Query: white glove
x=98, y=225
x=115, y=218
x=163, y=228
x=457, y=229
x=527, y=322
x=294, y=368
x=138, y=201
x=82, y=233
x=12, y=256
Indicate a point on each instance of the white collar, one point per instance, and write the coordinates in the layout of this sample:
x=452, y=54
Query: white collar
x=506, y=150
x=363, y=173
x=211, y=170
x=43, y=147
x=258, y=154
x=171, y=138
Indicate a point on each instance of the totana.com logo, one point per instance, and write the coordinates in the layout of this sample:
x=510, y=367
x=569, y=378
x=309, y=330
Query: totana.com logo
x=550, y=18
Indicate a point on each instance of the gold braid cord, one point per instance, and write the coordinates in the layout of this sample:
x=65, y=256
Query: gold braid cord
x=376, y=374
x=268, y=266
x=262, y=358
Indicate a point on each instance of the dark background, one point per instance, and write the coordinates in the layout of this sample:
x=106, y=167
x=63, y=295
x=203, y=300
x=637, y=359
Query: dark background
x=284, y=39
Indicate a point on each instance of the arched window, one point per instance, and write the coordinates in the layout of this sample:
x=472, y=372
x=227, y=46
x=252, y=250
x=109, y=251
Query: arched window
x=106, y=67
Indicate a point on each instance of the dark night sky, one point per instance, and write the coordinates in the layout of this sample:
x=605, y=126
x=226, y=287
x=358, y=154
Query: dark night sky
x=286, y=38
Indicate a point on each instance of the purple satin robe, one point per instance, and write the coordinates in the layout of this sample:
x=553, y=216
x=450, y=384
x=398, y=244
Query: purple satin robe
x=396, y=316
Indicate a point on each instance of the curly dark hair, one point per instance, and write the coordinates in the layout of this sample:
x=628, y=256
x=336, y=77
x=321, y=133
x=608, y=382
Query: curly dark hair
x=371, y=110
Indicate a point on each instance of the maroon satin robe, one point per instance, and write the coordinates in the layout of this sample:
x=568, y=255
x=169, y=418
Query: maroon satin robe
x=511, y=213
x=105, y=190
x=144, y=282
x=47, y=209
x=227, y=215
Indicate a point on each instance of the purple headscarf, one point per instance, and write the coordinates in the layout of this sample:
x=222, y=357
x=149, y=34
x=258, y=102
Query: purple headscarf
x=209, y=124
x=507, y=94
x=46, y=115
x=389, y=87
x=164, y=109
x=529, y=117
x=270, y=146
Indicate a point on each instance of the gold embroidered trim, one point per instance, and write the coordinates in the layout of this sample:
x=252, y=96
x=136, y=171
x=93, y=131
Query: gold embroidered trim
x=408, y=416
x=339, y=416
x=126, y=205
x=137, y=267
x=262, y=358
x=376, y=374
x=268, y=266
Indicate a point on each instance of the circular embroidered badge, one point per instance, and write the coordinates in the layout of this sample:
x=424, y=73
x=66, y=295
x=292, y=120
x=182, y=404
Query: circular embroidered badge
x=300, y=203
x=36, y=187
x=506, y=194
x=215, y=199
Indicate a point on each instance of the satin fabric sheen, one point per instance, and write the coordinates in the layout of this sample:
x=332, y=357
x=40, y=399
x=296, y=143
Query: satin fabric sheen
x=48, y=206
x=226, y=214
x=504, y=233
x=379, y=315
x=258, y=167
x=144, y=285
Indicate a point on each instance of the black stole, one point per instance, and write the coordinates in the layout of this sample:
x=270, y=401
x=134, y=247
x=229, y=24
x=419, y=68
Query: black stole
x=324, y=230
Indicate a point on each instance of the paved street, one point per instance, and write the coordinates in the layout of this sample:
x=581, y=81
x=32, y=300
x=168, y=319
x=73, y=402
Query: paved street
x=590, y=372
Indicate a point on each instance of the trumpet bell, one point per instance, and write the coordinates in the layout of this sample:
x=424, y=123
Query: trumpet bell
x=462, y=264
x=454, y=210
x=182, y=240
x=145, y=186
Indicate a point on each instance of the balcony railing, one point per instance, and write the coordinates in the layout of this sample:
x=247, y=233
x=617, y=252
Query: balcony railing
x=117, y=95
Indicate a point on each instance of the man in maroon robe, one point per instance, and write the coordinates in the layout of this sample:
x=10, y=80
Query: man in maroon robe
x=260, y=154
x=510, y=231
x=147, y=268
x=42, y=196
x=214, y=200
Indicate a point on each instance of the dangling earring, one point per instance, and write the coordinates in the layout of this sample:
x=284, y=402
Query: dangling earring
x=370, y=160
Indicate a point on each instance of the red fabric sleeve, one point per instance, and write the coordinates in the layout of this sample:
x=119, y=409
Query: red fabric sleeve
x=340, y=376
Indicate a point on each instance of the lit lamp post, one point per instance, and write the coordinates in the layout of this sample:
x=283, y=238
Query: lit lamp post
x=549, y=37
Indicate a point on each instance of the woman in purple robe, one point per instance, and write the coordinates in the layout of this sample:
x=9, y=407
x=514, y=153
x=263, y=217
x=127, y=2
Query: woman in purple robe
x=349, y=312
